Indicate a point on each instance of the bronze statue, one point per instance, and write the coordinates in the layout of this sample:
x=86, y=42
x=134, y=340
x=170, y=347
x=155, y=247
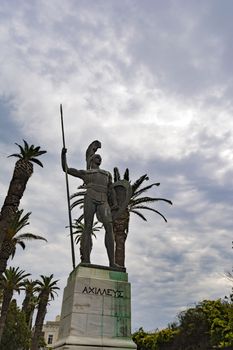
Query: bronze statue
x=99, y=188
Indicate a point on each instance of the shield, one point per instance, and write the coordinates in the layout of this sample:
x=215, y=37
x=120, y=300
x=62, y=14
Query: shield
x=123, y=192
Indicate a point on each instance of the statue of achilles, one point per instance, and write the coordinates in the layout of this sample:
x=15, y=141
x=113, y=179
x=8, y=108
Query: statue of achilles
x=99, y=186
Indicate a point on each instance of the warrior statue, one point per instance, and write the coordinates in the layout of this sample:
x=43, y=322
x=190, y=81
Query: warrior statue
x=99, y=188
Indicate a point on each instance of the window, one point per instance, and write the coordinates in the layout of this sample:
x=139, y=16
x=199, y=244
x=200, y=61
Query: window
x=50, y=339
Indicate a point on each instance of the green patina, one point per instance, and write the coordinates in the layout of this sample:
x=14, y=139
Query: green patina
x=121, y=314
x=118, y=276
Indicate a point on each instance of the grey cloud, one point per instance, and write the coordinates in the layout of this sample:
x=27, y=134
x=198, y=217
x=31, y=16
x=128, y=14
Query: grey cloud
x=149, y=79
x=182, y=44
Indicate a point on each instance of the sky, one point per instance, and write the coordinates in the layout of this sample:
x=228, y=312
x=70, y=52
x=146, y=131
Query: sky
x=152, y=80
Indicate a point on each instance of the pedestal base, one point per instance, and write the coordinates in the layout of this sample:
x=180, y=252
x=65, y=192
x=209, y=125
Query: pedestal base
x=96, y=311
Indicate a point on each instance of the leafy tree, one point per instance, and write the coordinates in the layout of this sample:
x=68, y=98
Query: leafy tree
x=138, y=203
x=208, y=325
x=47, y=289
x=220, y=317
x=158, y=340
x=229, y=276
x=22, y=172
x=194, y=329
x=11, y=282
x=138, y=337
x=16, y=334
x=12, y=239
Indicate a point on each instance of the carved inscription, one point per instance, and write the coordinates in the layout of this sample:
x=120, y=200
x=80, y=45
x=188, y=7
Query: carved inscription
x=98, y=291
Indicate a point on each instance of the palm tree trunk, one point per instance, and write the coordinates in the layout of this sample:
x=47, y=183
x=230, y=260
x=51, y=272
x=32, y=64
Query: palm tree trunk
x=28, y=307
x=39, y=322
x=30, y=315
x=120, y=228
x=22, y=172
x=5, y=252
x=7, y=296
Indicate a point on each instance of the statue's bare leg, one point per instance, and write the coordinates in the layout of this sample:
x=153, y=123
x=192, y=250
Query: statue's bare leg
x=86, y=242
x=104, y=213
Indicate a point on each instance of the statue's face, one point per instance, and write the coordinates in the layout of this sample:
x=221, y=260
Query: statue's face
x=97, y=159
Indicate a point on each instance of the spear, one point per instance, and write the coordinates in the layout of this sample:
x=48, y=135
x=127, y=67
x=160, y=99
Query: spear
x=68, y=193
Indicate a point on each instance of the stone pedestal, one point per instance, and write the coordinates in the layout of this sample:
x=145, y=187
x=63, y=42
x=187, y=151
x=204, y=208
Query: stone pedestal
x=96, y=311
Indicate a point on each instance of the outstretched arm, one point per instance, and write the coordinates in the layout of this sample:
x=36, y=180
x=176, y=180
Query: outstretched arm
x=74, y=172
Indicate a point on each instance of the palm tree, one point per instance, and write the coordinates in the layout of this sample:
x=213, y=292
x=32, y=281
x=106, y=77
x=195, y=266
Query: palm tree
x=12, y=281
x=22, y=172
x=78, y=227
x=30, y=300
x=12, y=239
x=136, y=204
x=47, y=290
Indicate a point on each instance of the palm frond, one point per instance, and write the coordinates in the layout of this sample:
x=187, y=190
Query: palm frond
x=29, y=236
x=152, y=209
x=81, y=217
x=144, y=189
x=18, y=223
x=13, y=278
x=22, y=150
x=126, y=174
x=75, y=203
x=38, y=153
x=117, y=175
x=139, y=214
x=22, y=245
x=37, y=161
x=229, y=276
x=78, y=239
x=14, y=155
x=138, y=182
x=80, y=227
x=77, y=194
x=137, y=201
x=26, y=147
x=13, y=252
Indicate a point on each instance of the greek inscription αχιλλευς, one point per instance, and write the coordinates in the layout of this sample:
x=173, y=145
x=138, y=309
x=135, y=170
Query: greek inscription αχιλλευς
x=98, y=291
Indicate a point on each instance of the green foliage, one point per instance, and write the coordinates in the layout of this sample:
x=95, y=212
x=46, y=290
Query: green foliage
x=155, y=341
x=18, y=223
x=29, y=153
x=208, y=325
x=16, y=333
x=78, y=227
x=46, y=286
x=13, y=280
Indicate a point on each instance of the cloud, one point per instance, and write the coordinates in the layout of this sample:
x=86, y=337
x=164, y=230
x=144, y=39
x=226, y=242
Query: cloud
x=152, y=81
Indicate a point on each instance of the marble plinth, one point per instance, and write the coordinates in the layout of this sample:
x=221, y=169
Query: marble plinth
x=96, y=311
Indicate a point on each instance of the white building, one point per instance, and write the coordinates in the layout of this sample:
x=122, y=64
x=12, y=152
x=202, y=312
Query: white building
x=50, y=330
